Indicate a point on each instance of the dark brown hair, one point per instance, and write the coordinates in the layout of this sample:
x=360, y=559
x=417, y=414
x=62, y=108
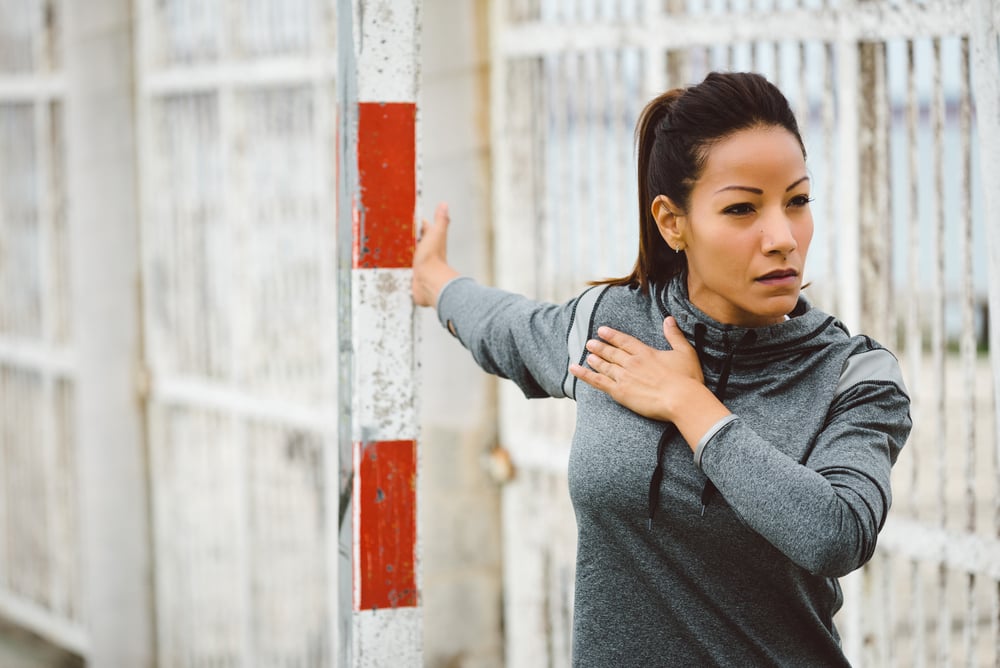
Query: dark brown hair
x=673, y=136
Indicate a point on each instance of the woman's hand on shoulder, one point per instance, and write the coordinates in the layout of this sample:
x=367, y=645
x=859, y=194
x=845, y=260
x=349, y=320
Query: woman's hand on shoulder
x=648, y=381
x=431, y=270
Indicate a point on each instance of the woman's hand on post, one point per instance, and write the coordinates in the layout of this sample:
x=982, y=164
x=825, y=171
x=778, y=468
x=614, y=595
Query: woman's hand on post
x=431, y=270
x=650, y=382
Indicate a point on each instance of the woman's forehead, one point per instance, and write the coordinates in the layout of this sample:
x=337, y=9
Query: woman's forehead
x=753, y=156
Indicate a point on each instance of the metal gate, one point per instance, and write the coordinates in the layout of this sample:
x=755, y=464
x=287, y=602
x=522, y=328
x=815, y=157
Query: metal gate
x=236, y=105
x=39, y=527
x=899, y=107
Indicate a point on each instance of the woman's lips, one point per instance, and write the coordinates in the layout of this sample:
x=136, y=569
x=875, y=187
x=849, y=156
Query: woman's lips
x=782, y=277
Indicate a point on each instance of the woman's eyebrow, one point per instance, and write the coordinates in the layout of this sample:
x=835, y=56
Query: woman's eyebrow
x=804, y=178
x=758, y=191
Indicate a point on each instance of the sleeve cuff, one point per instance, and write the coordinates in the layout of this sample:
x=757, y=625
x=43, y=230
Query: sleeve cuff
x=709, y=435
x=445, y=322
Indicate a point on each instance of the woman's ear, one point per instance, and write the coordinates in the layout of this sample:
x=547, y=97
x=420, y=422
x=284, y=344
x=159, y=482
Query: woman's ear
x=670, y=221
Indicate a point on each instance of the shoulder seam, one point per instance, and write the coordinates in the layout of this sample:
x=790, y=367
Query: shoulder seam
x=589, y=311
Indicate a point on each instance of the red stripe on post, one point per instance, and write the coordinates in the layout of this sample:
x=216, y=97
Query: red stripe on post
x=387, y=514
x=383, y=232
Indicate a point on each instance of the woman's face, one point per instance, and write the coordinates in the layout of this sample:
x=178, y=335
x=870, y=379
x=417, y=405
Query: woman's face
x=747, y=228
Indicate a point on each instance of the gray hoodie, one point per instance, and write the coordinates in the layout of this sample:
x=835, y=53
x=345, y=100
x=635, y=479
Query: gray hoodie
x=739, y=564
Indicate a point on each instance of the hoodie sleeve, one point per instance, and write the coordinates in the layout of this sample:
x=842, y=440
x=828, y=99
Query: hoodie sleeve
x=509, y=335
x=824, y=513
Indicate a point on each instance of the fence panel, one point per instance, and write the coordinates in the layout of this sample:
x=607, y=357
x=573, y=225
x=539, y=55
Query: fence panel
x=39, y=527
x=899, y=142
x=237, y=133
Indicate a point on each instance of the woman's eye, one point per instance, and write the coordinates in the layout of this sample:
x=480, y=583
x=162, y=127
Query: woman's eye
x=738, y=210
x=800, y=200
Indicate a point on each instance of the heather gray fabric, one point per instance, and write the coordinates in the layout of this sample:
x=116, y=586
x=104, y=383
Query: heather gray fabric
x=802, y=476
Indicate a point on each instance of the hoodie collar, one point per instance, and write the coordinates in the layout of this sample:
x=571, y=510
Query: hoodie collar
x=802, y=328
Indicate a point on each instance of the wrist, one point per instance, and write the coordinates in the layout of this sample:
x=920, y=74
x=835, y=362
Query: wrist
x=684, y=394
x=697, y=411
x=431, y=279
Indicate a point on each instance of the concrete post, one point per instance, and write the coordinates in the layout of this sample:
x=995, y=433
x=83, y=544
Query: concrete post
x=111, y=460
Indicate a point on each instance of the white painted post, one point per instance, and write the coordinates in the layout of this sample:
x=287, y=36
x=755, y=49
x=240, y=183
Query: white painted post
x=377, y=79
x=986, y=76
x=115, y=538
x=849, y=246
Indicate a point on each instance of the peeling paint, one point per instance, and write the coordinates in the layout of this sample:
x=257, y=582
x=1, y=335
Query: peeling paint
x=384, y=234
x=387, y=517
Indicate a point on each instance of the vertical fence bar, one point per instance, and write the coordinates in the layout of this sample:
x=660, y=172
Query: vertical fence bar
x=848, y=263
x=378, y=181
x=914, y=343
x=986, y=75
x=848, y=243
x=968, y=339
x=830, y=187
x=938, y=343
x=111, y=463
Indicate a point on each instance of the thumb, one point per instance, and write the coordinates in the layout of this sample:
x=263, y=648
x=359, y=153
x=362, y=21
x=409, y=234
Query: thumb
x=675, y=337
x=442, y=216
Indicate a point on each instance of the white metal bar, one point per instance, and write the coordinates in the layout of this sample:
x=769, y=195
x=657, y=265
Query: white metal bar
x=19, y=88
x=960, y=551
x=830, y=198
x=43, y=194
x=238, y=74
x=938, y=343
x=654, y=59
x=914, y=330
x=325, y=129
x=223, y=398
x=57, y=362
x=873, y=21
x=232, y=133
x=848, y=168
x=63, y=632
x=986, y=75
x=347, y=157
x=968, y=337
x=6, y=410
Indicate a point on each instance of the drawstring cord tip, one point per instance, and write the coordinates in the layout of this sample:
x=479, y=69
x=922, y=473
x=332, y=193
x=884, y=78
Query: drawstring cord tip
x=703, y=506
x=649, y=524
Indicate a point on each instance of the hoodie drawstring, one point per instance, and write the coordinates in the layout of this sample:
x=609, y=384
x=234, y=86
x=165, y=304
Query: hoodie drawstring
x=709, y=490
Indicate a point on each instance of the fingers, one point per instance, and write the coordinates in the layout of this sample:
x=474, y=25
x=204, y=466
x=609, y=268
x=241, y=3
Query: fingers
x=441, y=214
x=621, y=340
x=592, y=378
x=675, y=337
x=442, y=218
x=603, y=351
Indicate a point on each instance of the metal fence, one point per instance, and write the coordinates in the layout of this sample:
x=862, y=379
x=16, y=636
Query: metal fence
x=39, y=526
x=237, y=372
x=897, y=102
x=236, y=106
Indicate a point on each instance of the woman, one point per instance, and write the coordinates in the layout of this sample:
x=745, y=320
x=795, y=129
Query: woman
x=733, y=445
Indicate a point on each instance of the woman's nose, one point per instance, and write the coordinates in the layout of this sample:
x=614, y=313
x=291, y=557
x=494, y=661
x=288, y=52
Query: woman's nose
x=777, y=236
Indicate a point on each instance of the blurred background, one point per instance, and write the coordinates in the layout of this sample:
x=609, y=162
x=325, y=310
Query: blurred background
x=169, y=327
